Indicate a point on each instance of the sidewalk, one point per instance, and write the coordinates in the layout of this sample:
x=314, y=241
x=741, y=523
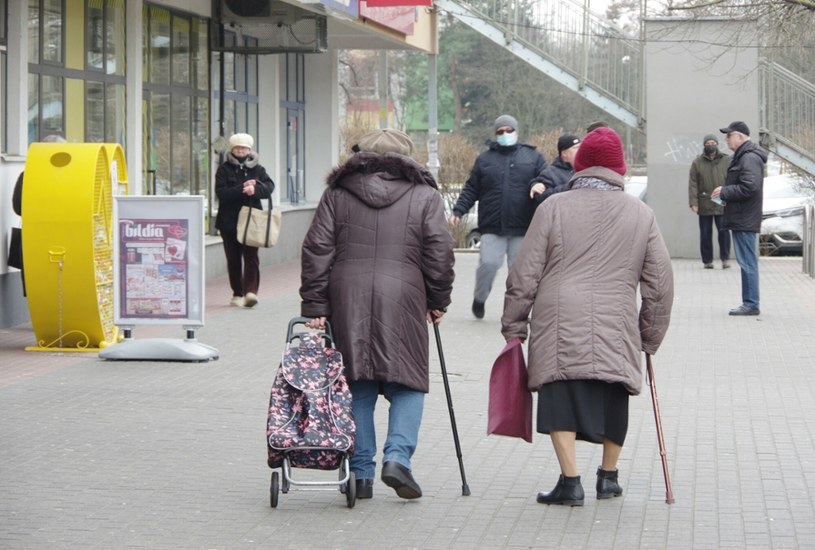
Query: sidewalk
x=110, y=455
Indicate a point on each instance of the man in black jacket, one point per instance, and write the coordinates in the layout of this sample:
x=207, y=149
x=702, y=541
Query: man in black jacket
x=742, y=196
x=499, y=181
x=555, y=178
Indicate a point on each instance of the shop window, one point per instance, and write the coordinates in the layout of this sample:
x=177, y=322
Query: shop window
x=176, y=107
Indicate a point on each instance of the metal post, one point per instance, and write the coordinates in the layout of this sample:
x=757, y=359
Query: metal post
x=432, y=118
x=383, y=88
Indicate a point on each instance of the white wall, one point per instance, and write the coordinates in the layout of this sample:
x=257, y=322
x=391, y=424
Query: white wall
x=322, y=121
x=701, y=75
x=270, y=149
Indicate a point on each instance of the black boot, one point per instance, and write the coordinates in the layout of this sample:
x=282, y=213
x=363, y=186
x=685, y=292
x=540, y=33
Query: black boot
x=567, y=491
x=365, y=488
x=607, y=485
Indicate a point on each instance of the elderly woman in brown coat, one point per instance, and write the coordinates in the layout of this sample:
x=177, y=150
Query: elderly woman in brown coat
x=577, y=272
x=378, y=262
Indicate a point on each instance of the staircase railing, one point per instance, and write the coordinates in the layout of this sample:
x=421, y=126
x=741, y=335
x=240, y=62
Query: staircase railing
x=788, y=114
x=586, y=53
x=596, y=53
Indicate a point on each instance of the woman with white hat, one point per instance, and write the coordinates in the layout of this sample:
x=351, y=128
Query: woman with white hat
x=240, y=181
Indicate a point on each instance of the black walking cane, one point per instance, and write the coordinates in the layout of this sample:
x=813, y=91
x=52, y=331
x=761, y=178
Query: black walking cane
x=465, y=489
x=669, y=496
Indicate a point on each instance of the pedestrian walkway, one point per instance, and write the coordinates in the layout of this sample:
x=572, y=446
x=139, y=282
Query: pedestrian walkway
x=109, y=455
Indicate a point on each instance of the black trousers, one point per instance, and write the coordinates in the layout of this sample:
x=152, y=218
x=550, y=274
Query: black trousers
x=706, y=238
x=242, y=265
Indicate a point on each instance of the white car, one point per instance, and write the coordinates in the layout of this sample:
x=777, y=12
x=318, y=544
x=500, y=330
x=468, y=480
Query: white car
x=637, y=186
x=782, y=220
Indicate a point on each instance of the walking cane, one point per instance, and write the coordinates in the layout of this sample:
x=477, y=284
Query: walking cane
x=465, y=489
x=669, y=496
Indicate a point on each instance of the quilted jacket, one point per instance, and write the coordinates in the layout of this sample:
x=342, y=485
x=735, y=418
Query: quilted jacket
x=500, y=181
x=229, y=180
x=377, y=256
x=578, y=270
x=743, y=192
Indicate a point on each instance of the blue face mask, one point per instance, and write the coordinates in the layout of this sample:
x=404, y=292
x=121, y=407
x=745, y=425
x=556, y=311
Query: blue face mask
x=508, y=140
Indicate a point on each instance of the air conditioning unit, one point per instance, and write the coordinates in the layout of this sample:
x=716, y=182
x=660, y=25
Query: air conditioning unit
x=266, y=26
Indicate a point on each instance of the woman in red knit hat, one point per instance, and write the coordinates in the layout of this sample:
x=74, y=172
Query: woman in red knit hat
x=577, y=273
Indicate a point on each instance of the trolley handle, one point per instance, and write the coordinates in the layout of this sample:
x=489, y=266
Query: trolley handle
x=292, y=335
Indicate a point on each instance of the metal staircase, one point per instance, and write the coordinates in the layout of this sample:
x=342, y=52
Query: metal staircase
x=566, y=41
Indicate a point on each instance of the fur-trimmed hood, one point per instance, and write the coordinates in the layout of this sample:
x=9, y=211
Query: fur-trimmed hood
x=251, y=161
x=379, y=180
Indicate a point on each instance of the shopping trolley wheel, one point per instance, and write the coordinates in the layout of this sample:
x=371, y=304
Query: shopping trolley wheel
x=343, y=486
x=351, y=490
x=274, y=489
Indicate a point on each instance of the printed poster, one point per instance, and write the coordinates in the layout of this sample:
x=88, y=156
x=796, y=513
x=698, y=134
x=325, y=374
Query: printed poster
x=154, y=264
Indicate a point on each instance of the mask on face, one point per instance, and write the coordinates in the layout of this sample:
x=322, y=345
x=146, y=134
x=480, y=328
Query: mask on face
x=710, y=149
x=507, y=140
x=240, y=160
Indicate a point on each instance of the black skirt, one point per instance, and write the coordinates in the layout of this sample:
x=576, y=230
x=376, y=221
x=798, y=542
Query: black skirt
x=593, y=409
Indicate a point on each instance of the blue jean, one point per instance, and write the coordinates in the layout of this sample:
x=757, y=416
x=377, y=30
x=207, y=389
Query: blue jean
x=706, y=238
x=404, y=420
x=493, y=248
x=746, y=245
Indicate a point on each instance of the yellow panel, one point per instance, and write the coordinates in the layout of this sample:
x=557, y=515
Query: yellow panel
x=117, y=157
x=75, y=34
x=67, y=248
x=74, y=109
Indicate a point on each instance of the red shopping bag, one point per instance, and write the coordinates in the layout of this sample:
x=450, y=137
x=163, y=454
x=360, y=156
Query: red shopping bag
x=510, y=408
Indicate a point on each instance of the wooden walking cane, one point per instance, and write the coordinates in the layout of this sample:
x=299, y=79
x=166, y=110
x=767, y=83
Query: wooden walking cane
x=669, y=496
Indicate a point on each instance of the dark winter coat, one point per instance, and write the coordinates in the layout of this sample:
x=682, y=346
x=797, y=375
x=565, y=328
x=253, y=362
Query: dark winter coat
x=706, y=174
x=743, y=192
x=555, y=177
x=229, y=180
x=17, y=196
x=377, y=256
x=499, y=181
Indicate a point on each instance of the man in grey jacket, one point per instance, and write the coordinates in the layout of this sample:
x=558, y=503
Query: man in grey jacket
x=743, y=195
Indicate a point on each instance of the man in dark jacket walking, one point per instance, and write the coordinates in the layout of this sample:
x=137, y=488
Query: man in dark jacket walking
x=499, y=181
x=555, y=178
x=742, y=195
x=707, y=172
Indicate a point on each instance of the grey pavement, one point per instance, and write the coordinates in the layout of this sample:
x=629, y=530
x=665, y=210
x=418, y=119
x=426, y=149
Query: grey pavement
x=107, y=455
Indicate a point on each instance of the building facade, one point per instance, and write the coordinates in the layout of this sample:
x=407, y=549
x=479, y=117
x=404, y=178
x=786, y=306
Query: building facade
x=170, y=81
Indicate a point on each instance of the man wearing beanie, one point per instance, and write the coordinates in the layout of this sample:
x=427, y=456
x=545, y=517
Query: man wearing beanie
x=743, y=196
x=499, y=181
x=572, y=293
x=555, y=178
x=707, y=172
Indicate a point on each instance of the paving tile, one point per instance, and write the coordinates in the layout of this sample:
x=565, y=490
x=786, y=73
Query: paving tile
x=136, y=455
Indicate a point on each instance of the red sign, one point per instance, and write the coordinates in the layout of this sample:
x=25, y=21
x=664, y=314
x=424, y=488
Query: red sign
x=398, y=18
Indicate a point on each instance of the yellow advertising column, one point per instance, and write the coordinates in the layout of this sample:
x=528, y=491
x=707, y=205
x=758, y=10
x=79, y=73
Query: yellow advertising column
x=67, y=242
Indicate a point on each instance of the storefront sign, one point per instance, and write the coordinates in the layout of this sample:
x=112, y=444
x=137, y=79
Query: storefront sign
x=158, y=247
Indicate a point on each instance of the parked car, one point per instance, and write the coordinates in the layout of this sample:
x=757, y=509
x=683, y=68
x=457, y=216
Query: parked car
x=637, y=186
x=465, y=234
x=782, y=220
